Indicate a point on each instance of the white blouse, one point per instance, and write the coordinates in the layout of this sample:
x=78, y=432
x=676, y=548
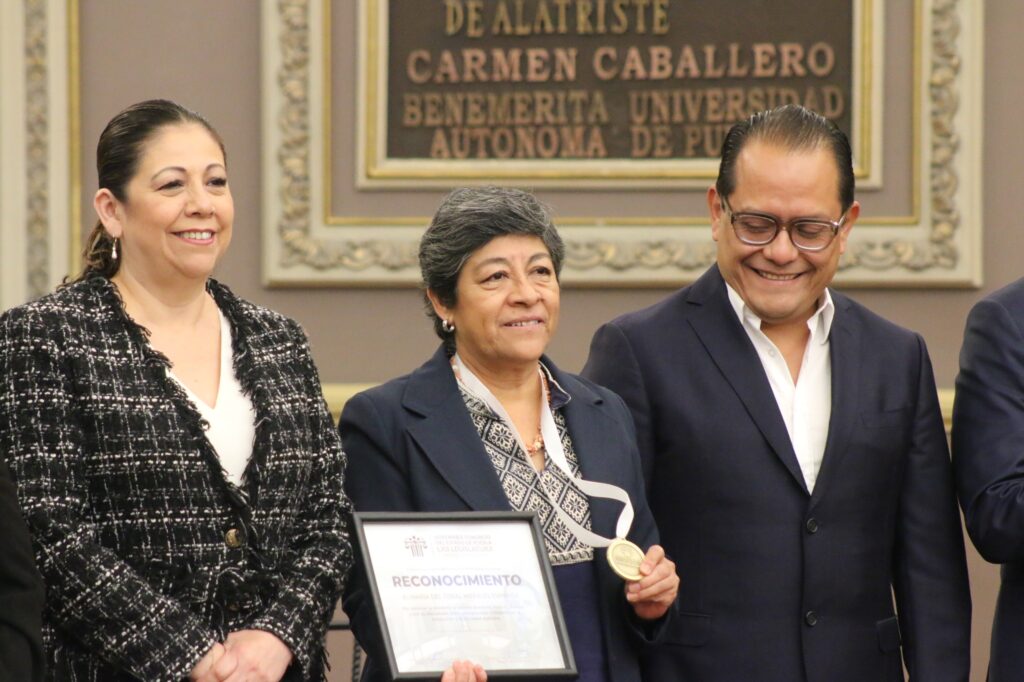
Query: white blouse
x=232, y=419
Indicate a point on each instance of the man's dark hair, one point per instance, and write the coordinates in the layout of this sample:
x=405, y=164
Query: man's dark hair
x=791, y=127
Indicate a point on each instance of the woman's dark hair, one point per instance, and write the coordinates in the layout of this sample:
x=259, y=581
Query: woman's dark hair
x=468, y=219
x=117, y=160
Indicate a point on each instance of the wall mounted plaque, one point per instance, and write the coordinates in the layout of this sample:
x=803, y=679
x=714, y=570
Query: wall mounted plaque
x=610, y=110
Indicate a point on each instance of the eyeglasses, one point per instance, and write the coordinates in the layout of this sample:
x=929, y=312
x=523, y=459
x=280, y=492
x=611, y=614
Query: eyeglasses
x=759, y=229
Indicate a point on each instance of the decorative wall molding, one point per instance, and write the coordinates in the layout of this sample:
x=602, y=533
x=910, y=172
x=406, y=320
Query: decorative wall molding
x=338, y=394
x=937, y=243
x=37, y=161
x=938, y=247
x=36, y=196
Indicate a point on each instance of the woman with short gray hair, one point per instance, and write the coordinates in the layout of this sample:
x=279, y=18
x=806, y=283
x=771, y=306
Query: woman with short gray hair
x=489, y=422
x=467, y=219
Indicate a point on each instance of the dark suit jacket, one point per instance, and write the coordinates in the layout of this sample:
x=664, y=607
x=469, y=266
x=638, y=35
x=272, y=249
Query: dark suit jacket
x=988, y=459
x=779, y=585
x=21, y=592
x=412, y=446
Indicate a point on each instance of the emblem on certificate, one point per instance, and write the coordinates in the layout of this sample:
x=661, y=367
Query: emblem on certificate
x=625, y=558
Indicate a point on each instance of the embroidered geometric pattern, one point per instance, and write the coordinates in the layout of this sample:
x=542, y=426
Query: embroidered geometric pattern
x=523, y=485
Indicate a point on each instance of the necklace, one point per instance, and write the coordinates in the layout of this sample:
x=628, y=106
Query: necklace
x=538, y=442
x=537, y=445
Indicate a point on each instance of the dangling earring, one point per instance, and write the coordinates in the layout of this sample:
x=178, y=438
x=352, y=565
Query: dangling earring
x=113, y=250
x=447, y=326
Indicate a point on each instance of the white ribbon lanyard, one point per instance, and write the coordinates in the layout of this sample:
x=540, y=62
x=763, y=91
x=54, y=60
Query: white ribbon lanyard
x=553, y=446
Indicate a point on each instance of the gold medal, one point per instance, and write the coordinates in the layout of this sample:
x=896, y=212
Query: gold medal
x=625, y=558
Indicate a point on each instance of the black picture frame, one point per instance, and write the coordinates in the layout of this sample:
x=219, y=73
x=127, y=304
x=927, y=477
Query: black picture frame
x=413, y=519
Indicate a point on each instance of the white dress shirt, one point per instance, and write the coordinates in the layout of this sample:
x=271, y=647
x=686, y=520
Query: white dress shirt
x=232, y=419
x=806, y=405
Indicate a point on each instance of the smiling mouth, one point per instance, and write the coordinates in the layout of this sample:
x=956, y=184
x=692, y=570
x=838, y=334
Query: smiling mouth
x=195, y=235
x=524, y=323
x=777, y=277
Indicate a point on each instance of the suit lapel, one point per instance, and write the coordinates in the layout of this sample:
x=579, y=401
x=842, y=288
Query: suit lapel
x=725, y=340
x=445, y=434
x=845, y=355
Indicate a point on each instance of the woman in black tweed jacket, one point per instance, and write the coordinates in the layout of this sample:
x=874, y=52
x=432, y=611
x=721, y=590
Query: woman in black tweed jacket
x=156, y=565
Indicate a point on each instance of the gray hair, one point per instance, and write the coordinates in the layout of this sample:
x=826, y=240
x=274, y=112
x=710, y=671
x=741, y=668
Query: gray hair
x=468, y=219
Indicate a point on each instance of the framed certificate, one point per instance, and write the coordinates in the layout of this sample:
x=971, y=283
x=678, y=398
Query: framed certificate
x=468, y=585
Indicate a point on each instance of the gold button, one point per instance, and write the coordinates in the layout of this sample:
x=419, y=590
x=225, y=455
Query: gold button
x=233, y=538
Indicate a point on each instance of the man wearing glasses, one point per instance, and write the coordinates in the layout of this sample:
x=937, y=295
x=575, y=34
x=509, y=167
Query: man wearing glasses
x=792, y=441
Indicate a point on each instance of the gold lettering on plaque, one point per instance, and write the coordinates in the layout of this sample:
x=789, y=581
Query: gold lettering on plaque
x=557, y=72
x=562, y=17
x=514, y=65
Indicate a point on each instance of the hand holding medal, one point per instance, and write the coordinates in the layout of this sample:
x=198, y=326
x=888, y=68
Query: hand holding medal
x=653, y=592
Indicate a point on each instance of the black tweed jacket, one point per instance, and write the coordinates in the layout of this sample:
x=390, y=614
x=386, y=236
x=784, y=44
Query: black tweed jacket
x=148, y=553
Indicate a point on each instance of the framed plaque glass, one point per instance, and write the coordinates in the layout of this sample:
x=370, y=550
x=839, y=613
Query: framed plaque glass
x=467, y=585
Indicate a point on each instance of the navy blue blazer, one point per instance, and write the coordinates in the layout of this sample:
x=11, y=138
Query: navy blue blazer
x=779, y=585
x=412, y=446
x=988, y=460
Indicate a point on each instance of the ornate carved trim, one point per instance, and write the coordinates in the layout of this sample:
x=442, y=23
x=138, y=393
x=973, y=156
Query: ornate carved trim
x=293, y=78
x=37, y=129
x=36, y=108
x=945, y=98
x=940, y=249
x=294, y=154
